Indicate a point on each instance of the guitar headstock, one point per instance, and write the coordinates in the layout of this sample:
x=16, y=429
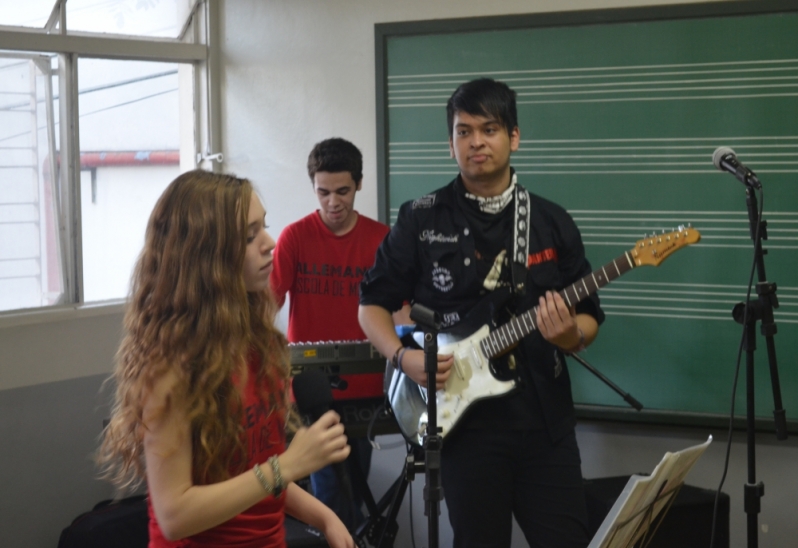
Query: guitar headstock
x=654, y=249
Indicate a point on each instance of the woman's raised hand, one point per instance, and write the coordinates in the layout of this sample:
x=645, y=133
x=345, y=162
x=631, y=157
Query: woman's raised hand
x=314, y=447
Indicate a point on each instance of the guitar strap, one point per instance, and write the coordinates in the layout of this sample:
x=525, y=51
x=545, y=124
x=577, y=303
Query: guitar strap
x=520, y=241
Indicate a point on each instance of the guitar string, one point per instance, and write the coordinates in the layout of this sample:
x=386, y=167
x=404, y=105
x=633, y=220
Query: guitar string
x=502, y=338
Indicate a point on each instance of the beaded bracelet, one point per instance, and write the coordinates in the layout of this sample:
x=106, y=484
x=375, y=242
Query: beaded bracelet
x=399, y=360
x=262, y=480
x=279, y=484
x=581, y=346
x=395, y=359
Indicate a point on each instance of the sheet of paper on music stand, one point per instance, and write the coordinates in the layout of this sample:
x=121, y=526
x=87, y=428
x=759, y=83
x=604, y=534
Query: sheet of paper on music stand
x=641, y=492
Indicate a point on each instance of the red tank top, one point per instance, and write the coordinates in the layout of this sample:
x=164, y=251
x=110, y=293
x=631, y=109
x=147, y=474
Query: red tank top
x=261, y=526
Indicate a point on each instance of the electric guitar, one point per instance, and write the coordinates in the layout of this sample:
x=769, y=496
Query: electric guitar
x=475, y=376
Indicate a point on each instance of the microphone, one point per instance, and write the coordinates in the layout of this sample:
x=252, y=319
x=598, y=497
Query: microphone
x=314, y=397
x=725, y=159
x=313, y=393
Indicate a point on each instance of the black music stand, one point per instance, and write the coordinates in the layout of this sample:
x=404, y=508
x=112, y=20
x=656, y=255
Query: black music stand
x=637, y=514
x=640, y=528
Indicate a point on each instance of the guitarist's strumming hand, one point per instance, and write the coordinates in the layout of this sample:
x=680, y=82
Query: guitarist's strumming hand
x=413, y=367
x=557, y=322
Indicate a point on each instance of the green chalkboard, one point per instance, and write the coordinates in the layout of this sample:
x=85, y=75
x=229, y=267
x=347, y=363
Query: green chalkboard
x=620, y=112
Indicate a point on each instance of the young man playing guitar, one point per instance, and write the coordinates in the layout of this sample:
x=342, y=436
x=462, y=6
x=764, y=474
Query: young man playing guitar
x=484, y=237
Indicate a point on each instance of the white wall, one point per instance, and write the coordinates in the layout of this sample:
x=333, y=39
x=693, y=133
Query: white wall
x=298, y=71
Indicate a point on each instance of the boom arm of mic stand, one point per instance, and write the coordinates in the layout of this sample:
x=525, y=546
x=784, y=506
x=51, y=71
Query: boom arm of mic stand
x=625, y=395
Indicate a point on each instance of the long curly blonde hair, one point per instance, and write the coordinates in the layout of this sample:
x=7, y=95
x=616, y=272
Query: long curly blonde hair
x=189, y=313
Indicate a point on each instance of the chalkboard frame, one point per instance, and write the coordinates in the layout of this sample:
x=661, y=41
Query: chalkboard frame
x=385, y=31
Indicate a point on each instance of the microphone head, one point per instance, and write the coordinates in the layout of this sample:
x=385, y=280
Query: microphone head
x=718, y=155
x=312, y=392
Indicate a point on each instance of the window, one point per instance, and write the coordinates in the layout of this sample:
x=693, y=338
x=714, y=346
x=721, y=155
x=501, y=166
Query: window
x=31, y=13
x=129, y=152
x=30, y=258
x=91, y=132
x=137, y=17
x=162, y=18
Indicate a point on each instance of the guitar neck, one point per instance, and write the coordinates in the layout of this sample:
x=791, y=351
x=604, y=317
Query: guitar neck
x=509, y=334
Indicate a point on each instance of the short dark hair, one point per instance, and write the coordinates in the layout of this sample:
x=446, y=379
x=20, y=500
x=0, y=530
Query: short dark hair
x=484, y=97
x=335, y=156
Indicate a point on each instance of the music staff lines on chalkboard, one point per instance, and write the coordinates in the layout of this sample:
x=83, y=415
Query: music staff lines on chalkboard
x=631, y=155
x=723, y=229
x=731, y=79
x=686, y=300
x=518, y=77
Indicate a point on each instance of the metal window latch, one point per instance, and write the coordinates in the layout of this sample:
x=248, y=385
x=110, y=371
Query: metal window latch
x=218, y=157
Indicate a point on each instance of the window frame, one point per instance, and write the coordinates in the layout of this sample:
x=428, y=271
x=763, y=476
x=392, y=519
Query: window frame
x=197, y=45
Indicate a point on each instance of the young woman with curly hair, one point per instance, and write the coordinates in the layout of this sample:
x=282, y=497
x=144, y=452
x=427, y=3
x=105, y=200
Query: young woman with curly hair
x=202, y=376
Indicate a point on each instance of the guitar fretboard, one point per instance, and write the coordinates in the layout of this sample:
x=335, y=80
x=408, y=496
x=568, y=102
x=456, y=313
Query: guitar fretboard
x=509, y=334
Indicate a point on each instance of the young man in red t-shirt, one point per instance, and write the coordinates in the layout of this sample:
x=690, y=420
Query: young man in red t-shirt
x=319, y=261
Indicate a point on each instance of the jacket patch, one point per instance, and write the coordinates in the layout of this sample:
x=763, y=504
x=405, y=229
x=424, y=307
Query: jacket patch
x=449, y=319
x=425, y=202
x=432, y=237
x=546, y=255
x=442, y=279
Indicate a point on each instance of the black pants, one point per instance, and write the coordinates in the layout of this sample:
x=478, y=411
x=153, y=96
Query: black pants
x=491, y=475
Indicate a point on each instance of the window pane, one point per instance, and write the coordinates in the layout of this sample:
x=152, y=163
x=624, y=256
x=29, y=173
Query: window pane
x=134, y=17
x=30, y=265
x=130, y=151
x=26, y=13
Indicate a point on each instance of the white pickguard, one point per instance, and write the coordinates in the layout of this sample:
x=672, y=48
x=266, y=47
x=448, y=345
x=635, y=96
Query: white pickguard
x=469, y=381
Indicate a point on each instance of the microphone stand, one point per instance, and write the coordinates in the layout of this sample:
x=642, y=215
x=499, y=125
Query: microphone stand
x=433, y=490
x=628, y=398
x=747, y=314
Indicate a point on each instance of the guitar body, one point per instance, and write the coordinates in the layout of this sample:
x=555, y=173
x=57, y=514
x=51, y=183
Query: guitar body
x=477, y=373
x=473, y=377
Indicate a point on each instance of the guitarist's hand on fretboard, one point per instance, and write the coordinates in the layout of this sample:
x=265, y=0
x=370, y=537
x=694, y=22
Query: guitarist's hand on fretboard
x=413, y=367
x=558, y=323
